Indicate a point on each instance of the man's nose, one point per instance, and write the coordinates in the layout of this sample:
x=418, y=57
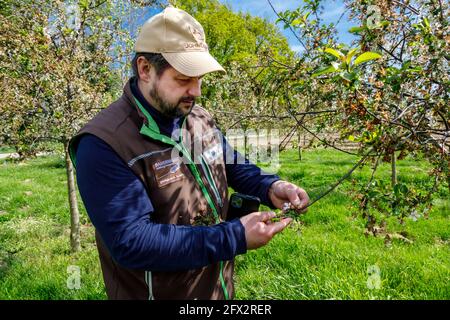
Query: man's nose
x=195, y=88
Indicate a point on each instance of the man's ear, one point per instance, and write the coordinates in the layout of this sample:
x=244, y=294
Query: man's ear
x=144, y=69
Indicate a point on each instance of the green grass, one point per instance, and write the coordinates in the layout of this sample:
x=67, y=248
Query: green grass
x=5, y=149
x=34, y=233
x=330, y=256
x=328, y=259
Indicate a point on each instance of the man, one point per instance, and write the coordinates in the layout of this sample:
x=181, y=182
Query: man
x=153, y=174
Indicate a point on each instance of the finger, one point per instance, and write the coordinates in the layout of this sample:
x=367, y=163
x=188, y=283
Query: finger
x=304, y=199
x=292, y=195
x=267, y=215
x=279, y=226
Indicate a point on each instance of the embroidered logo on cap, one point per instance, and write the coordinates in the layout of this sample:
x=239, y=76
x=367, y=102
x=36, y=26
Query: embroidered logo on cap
x=199, y=38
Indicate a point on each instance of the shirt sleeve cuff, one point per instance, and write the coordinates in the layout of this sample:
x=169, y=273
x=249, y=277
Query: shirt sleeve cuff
x=239, y=232
x=265, y=196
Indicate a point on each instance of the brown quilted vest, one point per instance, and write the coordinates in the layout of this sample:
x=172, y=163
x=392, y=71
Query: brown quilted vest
x=176, y=195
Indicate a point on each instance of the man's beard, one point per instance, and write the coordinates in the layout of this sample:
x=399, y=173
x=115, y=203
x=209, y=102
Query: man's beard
x=169, y=109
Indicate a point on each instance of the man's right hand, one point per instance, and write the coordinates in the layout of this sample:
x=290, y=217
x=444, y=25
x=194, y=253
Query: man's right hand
x=259, y=230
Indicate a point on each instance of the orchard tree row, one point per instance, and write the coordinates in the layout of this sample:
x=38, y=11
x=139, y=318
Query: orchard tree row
x=63, y=61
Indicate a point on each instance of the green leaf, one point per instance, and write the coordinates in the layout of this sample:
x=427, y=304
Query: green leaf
x=296, y=22
x=306, y=15
x=370, y=136
x=403, y=189
x=356, y=29
x=84, y=4
x=373, y=194
x=335, y=53
x=347, y=76
x=350, y=55
x=329, y=69
x=400, y=188
x=417, y=69
x=366, y=56
x=406, y=64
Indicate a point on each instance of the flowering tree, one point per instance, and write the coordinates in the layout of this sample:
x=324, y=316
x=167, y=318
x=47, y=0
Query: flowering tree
x=60, y=64
x=247, y=46
x=389, y=91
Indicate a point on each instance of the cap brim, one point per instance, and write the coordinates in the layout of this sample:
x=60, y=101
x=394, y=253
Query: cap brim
x=193, y=64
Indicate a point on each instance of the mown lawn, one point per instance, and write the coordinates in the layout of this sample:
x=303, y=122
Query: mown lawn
x=5, y=149
x=328, y=258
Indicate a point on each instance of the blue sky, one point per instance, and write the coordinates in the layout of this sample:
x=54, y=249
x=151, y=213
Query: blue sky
x=333, y=9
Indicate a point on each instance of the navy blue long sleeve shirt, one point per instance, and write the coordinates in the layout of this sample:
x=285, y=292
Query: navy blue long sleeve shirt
x=120, y=209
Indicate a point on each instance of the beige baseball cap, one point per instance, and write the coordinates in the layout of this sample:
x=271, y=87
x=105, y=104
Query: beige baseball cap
x=181, y=41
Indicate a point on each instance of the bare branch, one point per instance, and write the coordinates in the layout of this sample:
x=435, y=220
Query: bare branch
x=290, y=27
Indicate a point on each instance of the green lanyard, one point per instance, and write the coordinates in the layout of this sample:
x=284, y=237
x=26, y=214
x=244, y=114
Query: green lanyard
x=151, y=130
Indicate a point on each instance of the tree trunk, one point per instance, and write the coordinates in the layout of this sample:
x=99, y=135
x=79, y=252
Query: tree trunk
x=246, y=151
x=394, y=169
x=73, y=204
x=448, y=182
x=299, y=140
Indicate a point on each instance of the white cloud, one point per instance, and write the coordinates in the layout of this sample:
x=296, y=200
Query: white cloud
x=331, y=13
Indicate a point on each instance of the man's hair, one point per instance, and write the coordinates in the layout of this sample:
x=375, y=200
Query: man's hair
x=155, y=59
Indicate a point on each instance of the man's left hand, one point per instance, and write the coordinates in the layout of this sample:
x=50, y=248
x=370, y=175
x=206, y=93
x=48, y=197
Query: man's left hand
x=281, y=192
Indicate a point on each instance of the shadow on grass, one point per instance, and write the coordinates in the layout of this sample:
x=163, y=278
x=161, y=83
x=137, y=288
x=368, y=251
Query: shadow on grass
x=52, y=163
x=295, y=175
x=6, y=262
x=10, y=161
x=337, y=162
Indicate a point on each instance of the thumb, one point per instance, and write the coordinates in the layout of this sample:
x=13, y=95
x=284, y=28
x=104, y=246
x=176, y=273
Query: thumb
x=292, y=195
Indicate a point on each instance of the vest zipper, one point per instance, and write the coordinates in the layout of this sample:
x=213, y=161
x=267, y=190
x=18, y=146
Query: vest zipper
x=211, y=181
x=148, y=280
x=152, y=131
